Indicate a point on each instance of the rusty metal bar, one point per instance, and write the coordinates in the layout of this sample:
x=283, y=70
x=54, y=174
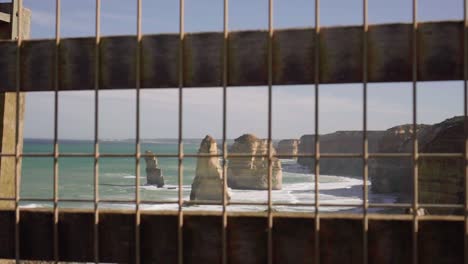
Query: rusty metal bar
x=329, y=215
x=365, y=143
x=96, y=130
x=16, y=19
x=201, y=202
x=270, y=143
x=240, y=155
x=56, y=146
x=224, y=258
x=317, y=134
x=137, y=132
x=180, y=259
x=415, y=134
x=465, y=113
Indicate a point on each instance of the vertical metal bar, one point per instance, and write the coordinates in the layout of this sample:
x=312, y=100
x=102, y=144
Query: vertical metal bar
x=180, y=143
x=415, y=133
x=17, y=13
x=137, y=132
x=317, y=137
x=365, y=142
x=56, y=147
x=270, y=144
x=225, y=84
x=96, y=131
x=465, y=113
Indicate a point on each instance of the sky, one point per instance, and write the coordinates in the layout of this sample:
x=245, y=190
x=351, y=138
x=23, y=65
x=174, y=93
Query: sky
x=389, y=104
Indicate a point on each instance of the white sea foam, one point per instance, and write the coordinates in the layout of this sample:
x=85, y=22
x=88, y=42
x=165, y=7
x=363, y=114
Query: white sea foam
x=132, y=177
x=33, y=205
x=116, y=174
x=298, y=188
x=333, y=190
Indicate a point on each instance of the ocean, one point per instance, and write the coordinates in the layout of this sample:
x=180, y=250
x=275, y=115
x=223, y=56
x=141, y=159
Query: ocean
x=117, y=180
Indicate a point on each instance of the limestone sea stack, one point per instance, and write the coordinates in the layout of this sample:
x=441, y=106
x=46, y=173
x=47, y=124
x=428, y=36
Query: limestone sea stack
x=208, y=182
x=288, y=147
x=251, y=173
x=153, y=172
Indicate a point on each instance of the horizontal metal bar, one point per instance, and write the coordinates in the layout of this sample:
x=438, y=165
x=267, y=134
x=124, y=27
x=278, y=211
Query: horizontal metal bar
x=188, y=202
x=440, y=155
x=445, y=206
x=233, y=155
x=159, y=202
x=329, y=215
x=390, y=205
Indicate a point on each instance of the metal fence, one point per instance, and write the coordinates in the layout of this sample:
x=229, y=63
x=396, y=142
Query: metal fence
x=226, y=81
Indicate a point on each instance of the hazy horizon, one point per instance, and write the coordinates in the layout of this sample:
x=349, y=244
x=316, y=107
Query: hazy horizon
x=218, y=139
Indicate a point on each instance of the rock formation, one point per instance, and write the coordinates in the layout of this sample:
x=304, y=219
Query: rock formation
x=338, y=142
x=208, y=182
x=288, y=147
x=153, y=173
x=252, y=172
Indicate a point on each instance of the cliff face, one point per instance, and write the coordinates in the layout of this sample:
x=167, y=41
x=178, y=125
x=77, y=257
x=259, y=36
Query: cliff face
x=153, y=173
x=394, y=175
x=338, y=142
x=208, y=181
x=252, y=172
x=441, y=180
x=288, y=147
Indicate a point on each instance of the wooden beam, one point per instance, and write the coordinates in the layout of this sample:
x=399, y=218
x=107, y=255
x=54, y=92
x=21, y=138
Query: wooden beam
x=293, y=238
x=4, y=17
x=440, y=46
x=8, y=107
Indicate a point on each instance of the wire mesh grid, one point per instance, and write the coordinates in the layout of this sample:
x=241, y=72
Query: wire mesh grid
x=365, y=155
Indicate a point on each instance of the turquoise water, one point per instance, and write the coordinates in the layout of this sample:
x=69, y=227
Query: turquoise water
x=116, y=175
x=117, y=179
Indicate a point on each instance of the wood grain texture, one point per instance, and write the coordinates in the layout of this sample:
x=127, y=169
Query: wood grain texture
x=389, y=52
x=441, y=242
x=440, y=53
x=8, y=107
x=293, y=238
x=77, y=57
x=159, y=61
x=203, y=59
x=117, y=62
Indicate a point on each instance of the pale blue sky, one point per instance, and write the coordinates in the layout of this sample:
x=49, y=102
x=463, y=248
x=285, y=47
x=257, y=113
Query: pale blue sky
x=293, y=106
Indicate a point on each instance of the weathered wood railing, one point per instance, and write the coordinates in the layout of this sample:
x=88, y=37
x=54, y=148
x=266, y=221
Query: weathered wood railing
x=440, y=49
x=439, y=238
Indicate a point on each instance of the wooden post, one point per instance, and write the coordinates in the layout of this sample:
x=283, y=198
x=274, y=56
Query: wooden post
x=8, y=108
